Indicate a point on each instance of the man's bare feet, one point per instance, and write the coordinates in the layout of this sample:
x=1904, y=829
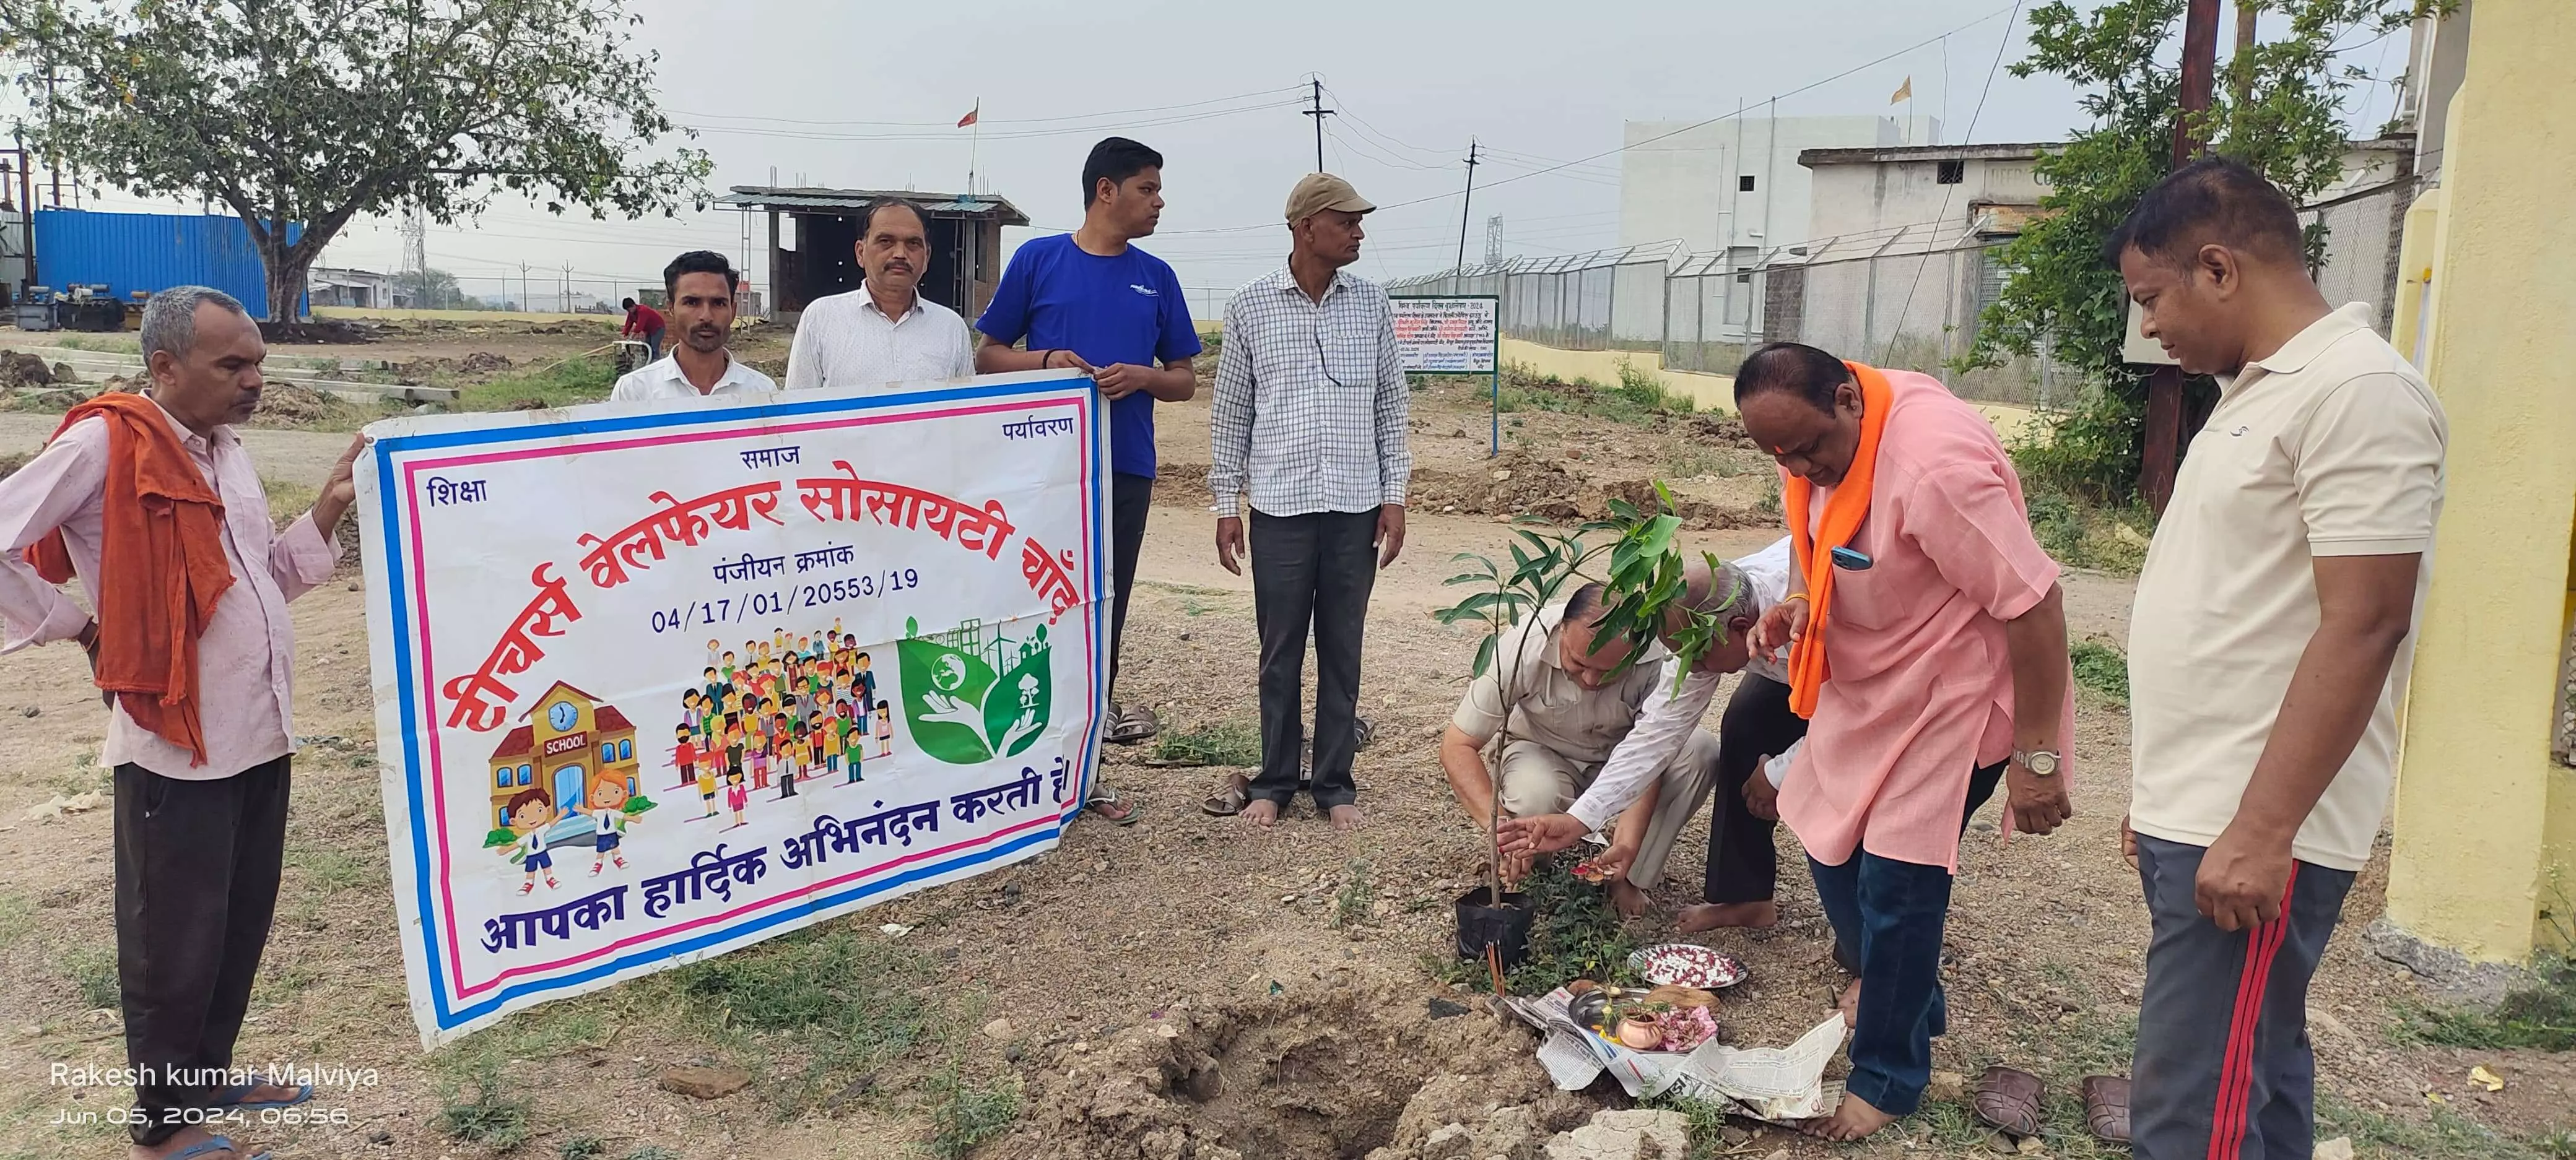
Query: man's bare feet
x=1852, y=1120
x=1713, y=915
x=1628, y=899
x=1261, y=812
x=1346, y=818
x=1850, y=1004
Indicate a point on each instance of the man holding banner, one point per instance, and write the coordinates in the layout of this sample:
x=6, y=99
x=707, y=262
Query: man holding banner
x=1092, y=301
x=700, y=286
x=153, y=503
x=1310, y=420
x=887, y=330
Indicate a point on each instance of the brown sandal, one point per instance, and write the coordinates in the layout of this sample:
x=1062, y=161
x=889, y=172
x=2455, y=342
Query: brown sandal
x=2009, y=1099
x=2106, y=1107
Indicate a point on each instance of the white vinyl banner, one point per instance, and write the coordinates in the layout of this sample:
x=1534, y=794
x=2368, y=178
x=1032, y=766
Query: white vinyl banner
x=656, y=681
x=1435, y=335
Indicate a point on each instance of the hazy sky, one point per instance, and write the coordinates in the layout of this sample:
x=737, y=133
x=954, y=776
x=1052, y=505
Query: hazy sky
x=865, y=96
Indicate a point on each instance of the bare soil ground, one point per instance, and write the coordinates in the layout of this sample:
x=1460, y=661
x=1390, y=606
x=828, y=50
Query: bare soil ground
x=1172, y=989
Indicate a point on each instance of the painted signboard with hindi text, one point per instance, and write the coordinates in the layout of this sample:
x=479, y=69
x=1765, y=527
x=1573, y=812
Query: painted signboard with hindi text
x=657, y=681
x=1452, y=335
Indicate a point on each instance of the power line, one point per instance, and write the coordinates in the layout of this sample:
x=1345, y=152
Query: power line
x=2001, y=44
x=1318, y=112
x=1271, y=92
x=1810, y=86
x=806, y=135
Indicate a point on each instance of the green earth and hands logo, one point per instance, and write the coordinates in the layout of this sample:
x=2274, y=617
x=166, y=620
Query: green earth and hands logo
x=973, y=694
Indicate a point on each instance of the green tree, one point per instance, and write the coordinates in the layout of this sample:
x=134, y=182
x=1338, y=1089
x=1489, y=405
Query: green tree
x=432, y=289
x=2061, y=299
x=310, y=112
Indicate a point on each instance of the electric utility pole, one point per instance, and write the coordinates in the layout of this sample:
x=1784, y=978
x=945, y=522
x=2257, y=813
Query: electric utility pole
x=2165, y=433
x=1318, y=112
x=1463, y=206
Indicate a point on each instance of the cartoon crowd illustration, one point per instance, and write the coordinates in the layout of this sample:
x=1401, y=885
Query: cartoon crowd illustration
x=785, y=713
x=793, y=709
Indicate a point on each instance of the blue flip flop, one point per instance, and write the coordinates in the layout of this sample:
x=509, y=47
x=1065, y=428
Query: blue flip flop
x=231, y=1097
x=216, y=1144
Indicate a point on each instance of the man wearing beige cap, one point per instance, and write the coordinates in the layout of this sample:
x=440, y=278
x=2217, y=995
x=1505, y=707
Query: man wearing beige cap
x=1309, y=421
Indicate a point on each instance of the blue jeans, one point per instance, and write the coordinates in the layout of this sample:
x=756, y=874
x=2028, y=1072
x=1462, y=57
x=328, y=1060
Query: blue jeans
x=1888, y=918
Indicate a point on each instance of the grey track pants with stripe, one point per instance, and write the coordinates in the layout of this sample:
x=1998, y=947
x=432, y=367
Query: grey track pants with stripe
x=2223, y=1069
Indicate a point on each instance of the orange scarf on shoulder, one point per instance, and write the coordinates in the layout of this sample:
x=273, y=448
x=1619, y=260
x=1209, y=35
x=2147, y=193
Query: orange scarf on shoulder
x=161, y=567
x=1814, y=552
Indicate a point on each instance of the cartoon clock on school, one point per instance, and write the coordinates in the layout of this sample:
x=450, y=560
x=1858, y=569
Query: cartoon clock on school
x=562, y=715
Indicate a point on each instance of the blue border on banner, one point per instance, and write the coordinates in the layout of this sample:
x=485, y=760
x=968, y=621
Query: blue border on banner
x=449, y=1018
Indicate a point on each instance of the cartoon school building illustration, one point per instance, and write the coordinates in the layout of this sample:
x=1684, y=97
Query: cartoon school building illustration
x=569, y=743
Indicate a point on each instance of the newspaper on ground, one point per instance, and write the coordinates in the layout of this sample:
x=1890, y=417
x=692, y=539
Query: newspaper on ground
x=1774, y=1084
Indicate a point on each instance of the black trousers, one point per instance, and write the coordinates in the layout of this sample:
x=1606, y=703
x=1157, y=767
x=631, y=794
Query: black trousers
x=2223, y=1066
x=1131, y=499
x=1311, y=571
x=1743, y=860
x=197, y=866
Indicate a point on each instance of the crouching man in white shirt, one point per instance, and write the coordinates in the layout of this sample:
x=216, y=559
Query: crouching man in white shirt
x=1662, y=764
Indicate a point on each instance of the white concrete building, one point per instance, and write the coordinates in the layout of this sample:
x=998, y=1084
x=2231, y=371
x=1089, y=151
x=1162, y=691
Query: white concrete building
x=1735, y=185
x=1864, y=198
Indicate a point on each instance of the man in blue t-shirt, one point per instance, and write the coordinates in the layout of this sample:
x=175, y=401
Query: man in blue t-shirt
x=1089, y=301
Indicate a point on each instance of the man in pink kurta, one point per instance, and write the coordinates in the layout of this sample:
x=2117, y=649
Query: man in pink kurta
x=1921, y=692
x=1945, y=665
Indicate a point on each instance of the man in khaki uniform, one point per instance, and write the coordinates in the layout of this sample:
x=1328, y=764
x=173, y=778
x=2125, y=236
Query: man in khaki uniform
x=1569, y=708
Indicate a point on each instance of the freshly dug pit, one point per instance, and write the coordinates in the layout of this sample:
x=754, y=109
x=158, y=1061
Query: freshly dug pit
x=1335, y=1074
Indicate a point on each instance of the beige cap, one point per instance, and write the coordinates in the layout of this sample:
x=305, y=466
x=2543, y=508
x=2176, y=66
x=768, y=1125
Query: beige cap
x=1317, y=192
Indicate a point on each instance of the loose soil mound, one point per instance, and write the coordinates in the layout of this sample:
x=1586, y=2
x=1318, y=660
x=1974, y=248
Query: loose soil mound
x=20, y=369
x=288, y=405
x=321, y=330
x=1335, y=1074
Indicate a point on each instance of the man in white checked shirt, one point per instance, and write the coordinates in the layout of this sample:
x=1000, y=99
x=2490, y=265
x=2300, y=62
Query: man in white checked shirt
x=884, y=331
x=1309, y=419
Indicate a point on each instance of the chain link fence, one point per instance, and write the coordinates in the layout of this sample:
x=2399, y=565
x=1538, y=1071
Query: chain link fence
x=1605, y=300
x=2363, y=231
x=1907, y=298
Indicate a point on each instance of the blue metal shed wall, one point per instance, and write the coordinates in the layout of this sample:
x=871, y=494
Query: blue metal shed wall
x=151, y=252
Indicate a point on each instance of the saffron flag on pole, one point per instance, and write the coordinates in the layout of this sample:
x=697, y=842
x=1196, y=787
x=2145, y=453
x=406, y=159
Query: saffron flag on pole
x=1903, y=91
x=971, y=114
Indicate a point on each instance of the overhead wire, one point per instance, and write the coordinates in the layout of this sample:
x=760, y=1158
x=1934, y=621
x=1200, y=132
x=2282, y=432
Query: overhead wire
x=951, y=134
x=1810, y=86
x=1000, y=120
x=2002, y=43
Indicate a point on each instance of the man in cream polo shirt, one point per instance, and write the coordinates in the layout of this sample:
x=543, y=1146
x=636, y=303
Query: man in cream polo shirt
x=2267, y=653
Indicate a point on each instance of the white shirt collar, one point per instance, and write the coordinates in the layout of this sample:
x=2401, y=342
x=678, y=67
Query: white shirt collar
x=668, y=366
x=868, y=302
x=2304, y=347
x=223, y=433
x=1286, y=280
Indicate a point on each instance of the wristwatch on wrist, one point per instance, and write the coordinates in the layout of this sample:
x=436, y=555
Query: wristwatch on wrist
x=2040, y=762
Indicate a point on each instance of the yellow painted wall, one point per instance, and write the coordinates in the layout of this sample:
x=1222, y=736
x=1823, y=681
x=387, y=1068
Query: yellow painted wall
x=2482, y=810
x=1705, y=391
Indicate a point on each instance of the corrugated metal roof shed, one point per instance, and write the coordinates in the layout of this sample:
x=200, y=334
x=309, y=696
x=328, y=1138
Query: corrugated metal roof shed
x=151, y=252
x=809, y=197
